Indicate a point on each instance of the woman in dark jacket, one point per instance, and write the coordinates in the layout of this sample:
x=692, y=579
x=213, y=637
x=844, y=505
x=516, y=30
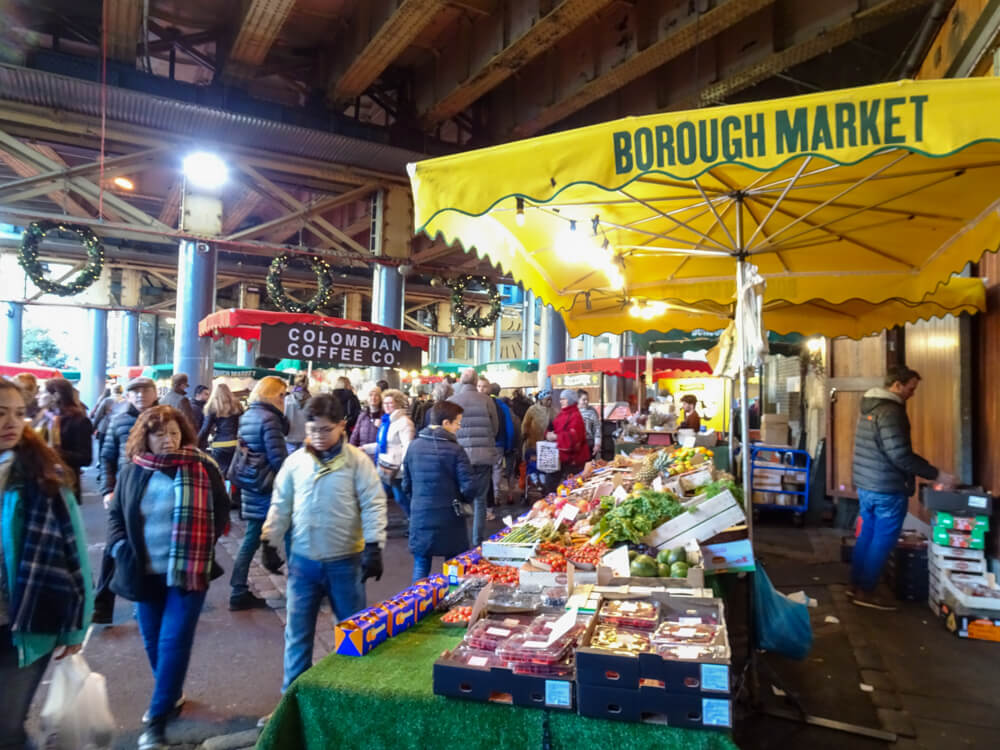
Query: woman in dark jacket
x=45, y=600
x=263, y=428
x=437, y=476
x=365, y=432
x=169, y=508
x=220, y=425
x=70, y=432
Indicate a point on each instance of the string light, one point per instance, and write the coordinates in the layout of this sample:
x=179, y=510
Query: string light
x=519, y=216
x=647, y=309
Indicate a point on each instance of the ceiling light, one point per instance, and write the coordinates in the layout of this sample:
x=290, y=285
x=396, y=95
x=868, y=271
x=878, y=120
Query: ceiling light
x=124, y=183
x=205, y=170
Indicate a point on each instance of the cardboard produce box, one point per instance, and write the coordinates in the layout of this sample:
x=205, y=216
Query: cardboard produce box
x=774, y=429
x=703, y=520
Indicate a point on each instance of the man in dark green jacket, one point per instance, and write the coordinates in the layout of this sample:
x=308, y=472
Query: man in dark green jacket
x=885, y=471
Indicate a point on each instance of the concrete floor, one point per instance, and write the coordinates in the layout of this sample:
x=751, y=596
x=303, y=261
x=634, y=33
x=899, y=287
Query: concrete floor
x=936, y=691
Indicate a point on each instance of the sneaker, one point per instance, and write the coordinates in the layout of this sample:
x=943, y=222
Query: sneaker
x=262, y=721
x=154, y=738
x=174, y=713
x=246, y=600
x=873, y=601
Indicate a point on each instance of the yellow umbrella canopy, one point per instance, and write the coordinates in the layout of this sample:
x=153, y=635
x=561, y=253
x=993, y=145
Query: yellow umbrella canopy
x=853, y=318
x=866, y=195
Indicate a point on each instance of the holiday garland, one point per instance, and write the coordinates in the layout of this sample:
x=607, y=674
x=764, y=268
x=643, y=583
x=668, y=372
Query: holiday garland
x=458, y=306
x=285, y=303
x=27, y=256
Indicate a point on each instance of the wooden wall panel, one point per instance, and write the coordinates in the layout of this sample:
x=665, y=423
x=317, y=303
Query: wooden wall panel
x=849, y=359
x=933, y=349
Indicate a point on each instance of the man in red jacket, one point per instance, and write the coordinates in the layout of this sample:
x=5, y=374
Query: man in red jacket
x=570, y=435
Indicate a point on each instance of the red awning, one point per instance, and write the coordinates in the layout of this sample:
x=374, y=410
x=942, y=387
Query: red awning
x=10, y=369
x=245, y=324
x=627, y=367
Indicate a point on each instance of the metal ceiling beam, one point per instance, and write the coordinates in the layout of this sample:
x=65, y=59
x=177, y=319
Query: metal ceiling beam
x=675, y=29
x=124, y=22
x=59, y=197
x=80, y=185
x=237, y=212
x=488, y=51
x=170, y=212
x=863, y=22
x=305, y=212
x=259, y=27
x=381, y=31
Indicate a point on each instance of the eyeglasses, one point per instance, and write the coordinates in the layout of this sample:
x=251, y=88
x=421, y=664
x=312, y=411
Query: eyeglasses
x=321, y=431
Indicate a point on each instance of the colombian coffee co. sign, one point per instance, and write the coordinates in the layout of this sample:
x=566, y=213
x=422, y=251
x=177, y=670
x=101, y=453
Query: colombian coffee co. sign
x=338, y=346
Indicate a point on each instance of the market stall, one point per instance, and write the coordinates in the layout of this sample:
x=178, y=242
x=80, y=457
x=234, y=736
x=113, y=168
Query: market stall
x=10, y=369
x=511, y=373
x=518, y=625
x=319, y=340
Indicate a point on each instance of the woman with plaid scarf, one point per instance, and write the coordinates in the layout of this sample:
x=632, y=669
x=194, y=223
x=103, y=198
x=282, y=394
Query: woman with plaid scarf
x=169, y=508
x=45, y=595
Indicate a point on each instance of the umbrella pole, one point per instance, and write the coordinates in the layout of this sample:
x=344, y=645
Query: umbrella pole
x=744, y=406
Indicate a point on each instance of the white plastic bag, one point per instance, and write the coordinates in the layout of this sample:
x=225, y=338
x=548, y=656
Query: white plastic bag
x=547, y=456
x=76, y=714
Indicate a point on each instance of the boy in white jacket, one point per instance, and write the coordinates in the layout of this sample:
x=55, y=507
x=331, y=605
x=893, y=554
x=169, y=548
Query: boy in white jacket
x=331, y=497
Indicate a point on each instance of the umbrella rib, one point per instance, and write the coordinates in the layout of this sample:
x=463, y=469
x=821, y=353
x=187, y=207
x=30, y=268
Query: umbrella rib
x=791, y=182
x=777, y=253
x=897, y=175
x=672, y=183
x=875, y=205
x=880, y=209
x=854, y=186
x=768, y=188
x=786, y=246
x=851, y=240
x=718, y=219
x=679, y=223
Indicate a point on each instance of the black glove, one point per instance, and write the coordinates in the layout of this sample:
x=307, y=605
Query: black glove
x=270, y=558
x=371, y=562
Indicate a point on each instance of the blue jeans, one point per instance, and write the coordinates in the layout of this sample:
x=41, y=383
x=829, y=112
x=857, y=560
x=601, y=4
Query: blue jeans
x=167, y=623
x=395, y=490
x=421, y=566
x=308, y=582
x=241, y=565
x=882, y=517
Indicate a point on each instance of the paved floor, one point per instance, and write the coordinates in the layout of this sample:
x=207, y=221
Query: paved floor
x=936, y=691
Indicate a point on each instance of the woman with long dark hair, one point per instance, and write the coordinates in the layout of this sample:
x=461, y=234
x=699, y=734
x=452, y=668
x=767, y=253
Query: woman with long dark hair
x=46, y=600
x=70, y=431
x=169, y=508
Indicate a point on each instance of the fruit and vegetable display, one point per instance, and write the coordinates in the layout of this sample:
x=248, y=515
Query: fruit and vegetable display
x=723, y=484
x=638, y=515
x=495, y=573
x=457, y=616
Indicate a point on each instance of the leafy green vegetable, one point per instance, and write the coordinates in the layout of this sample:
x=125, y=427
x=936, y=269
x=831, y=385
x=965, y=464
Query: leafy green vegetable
x=638, y=515
x=721, y=485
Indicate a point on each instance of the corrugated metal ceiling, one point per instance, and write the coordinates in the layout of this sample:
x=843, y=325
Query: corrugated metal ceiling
x=182, y=118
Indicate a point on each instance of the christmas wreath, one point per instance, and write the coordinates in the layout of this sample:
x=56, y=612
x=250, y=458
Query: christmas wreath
x=458, y=305
x=27, y=256
x=284, y=302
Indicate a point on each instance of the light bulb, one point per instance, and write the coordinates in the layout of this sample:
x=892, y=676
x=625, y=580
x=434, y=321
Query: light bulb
x=519, y=216
x=205, y=170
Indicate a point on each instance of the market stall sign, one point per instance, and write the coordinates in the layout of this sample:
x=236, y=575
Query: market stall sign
x=337, y=346
x=577, y=380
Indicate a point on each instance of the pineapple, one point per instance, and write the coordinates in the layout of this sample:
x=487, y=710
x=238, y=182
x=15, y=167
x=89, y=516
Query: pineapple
x=648, y=471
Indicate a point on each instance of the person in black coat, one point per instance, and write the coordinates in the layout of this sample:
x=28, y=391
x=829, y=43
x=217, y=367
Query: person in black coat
x=170, y=507
x=437, y=477
x=348, y=400
x=141, y=395
x=70, y=431
x=885, y=467
x=262, y=428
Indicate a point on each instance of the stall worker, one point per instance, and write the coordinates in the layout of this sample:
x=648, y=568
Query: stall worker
x=692, y=420
x=331, y=497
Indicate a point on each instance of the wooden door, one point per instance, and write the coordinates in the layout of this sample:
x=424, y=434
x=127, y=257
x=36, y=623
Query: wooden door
x=853, y=367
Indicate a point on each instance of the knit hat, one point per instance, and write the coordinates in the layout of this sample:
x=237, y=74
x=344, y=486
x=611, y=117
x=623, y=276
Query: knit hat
x=569, y=395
